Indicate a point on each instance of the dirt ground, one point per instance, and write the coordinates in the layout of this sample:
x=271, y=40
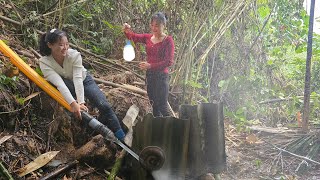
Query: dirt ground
x=250, y=156
x=261, y=155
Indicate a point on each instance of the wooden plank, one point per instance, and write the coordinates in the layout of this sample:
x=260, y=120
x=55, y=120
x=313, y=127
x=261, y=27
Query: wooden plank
x=272, y=130
x=5, y=138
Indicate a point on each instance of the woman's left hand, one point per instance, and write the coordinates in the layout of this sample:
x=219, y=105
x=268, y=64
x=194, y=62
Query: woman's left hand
x=144, y=65
x=84, y=107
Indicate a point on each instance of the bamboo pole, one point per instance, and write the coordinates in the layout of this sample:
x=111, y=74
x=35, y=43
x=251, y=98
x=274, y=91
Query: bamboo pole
x=4, y=172
x=64, y=7
x=306, y=101
x=115, y=178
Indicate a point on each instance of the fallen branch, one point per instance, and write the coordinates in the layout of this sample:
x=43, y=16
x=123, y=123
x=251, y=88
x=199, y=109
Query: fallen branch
x=105, y=59
x=139, y=83
x=276, y=100
x=296, y=155
x=279, y=130
x=234, y=143
x=131, y=88
x=25, y=53
x=126, y=86
x=102, y=66
x=285, y=99
x=15, y=9
x=59, y=171
x=10, y=20
x=35, y=52
x=5, y=138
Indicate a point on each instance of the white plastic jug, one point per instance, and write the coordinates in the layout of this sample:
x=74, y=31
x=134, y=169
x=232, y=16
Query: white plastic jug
x=128, y=51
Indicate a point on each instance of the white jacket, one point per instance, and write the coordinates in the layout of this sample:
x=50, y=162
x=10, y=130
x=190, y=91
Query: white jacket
x=72, y=69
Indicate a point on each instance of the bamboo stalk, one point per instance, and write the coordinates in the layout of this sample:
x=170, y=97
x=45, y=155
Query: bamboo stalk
x=51, y=7
x=77, y=47
x=15, y=10
x=49, y=13
x=61, y=14
x=239, y=8
x=35, y=52
x=190, y=47
x=4, y=172
x=109, y=174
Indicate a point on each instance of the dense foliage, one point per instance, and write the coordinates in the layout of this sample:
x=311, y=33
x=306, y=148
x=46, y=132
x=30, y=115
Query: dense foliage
x=239, y=52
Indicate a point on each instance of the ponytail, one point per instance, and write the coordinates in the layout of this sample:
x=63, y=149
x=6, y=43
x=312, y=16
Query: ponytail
x=44, y=49
x=50, y=37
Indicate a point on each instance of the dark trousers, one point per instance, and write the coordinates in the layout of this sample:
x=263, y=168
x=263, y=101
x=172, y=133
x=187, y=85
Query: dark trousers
x=98, y=100
x=158, y=92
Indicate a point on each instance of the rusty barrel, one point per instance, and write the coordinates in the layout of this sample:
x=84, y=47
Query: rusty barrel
x=171, y=135
x=206, y=147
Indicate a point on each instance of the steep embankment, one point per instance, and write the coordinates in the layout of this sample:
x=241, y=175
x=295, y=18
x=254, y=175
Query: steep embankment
x=37, y=124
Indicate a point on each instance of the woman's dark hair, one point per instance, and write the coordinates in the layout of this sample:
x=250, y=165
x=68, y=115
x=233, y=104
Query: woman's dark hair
x=159, y=17
x=52, y=36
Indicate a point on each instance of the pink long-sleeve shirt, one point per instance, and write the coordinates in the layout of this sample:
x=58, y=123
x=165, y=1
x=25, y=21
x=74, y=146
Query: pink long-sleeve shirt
x=159, y=55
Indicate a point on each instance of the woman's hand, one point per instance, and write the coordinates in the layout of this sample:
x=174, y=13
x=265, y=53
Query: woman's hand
x=75, y=108
x=83, y=107
x=126, y=27
x=144, y=65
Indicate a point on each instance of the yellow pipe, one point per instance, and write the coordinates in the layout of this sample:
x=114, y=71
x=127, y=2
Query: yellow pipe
x=33, y=75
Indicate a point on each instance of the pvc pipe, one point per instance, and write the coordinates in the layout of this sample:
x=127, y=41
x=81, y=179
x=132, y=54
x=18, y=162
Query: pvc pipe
x=33, y=75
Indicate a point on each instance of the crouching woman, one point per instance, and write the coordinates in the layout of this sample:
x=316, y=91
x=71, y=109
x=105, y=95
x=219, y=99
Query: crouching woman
x=63, y=68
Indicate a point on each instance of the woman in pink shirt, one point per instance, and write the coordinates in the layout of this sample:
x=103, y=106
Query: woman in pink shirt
x=160, y=53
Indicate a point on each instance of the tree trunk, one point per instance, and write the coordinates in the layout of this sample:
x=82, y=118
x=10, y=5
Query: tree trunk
x=306, y=102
